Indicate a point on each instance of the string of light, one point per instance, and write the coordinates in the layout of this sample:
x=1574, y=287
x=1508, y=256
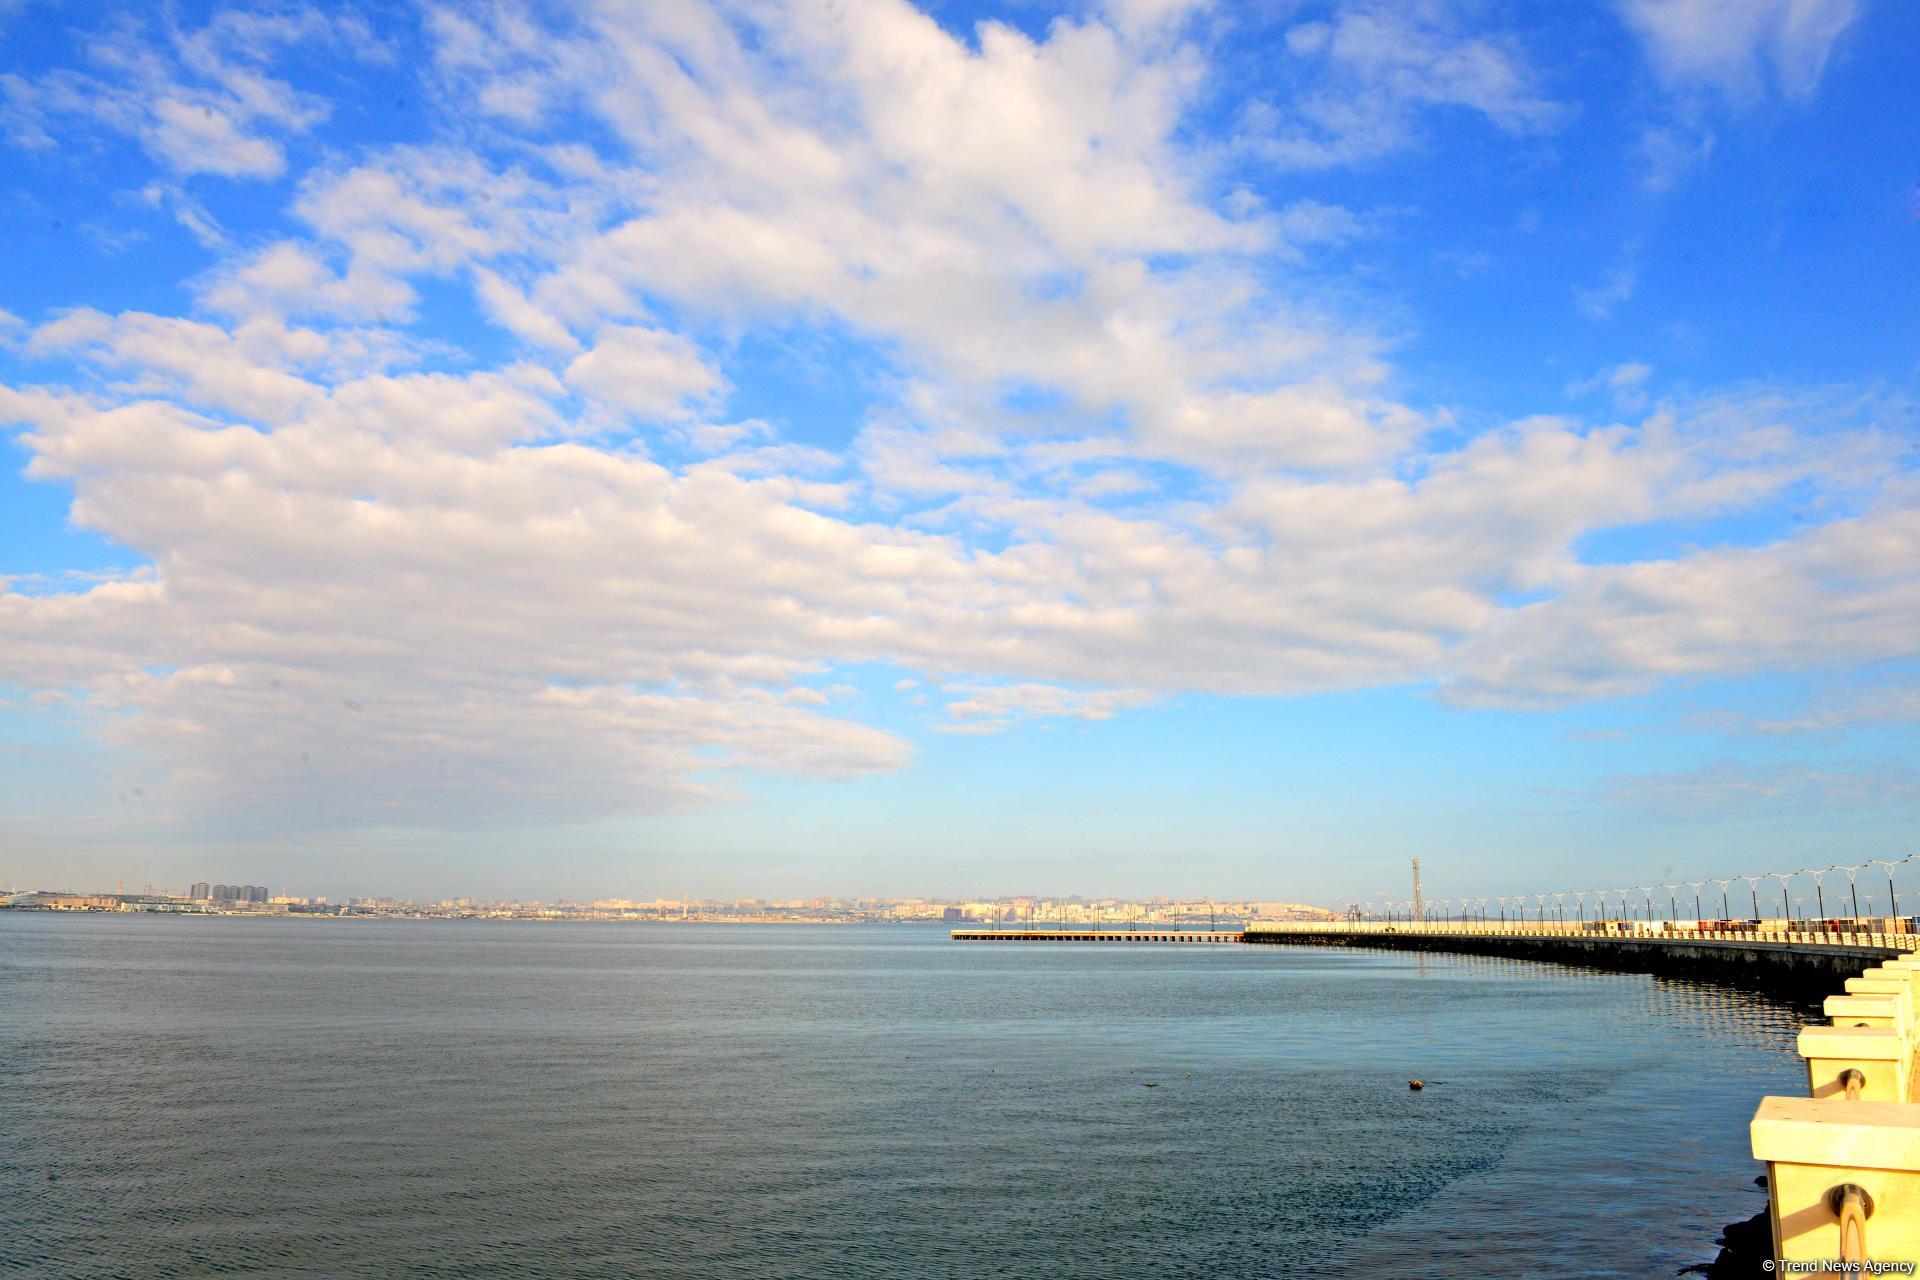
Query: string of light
x=1643, y=893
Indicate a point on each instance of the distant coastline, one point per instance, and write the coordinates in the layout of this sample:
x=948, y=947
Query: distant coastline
x=1110, y=914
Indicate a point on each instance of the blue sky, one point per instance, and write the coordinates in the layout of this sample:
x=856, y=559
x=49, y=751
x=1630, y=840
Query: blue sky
x=1130, y=448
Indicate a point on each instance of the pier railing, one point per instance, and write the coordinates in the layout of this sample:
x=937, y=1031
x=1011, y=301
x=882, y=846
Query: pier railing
x=1113, y=936
x=1889, y=934
x=1843, y=1162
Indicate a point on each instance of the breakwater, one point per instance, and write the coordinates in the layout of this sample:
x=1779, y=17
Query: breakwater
x=1796, y=963
x=1142, y=936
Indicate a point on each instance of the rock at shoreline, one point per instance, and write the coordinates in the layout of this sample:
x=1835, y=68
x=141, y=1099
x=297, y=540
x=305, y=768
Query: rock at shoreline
x=1743, y=1247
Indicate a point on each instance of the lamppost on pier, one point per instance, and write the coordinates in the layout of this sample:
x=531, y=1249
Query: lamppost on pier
x=1894, y=900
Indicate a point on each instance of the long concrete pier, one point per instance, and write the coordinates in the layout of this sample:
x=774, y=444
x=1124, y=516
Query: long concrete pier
x=1777, y=956
x=1094, y=935
x=1771, y=955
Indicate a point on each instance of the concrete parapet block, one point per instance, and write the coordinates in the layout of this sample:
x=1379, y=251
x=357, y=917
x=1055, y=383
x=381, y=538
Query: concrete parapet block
x=1898, y=988
x=1879, y=1054
x=1813, y=1147
x=1865, y=1011
x=1907, y=972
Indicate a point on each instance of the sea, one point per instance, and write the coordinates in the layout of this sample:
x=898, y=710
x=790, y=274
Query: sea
x=188, y=1096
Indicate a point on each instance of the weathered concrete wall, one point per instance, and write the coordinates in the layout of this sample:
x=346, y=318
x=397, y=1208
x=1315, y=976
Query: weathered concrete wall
x=1777, y=968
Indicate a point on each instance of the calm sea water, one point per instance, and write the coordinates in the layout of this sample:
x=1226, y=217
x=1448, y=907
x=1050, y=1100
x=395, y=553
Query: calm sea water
x=329, y=1097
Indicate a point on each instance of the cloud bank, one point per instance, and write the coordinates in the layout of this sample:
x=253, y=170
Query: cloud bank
x=1115, y=448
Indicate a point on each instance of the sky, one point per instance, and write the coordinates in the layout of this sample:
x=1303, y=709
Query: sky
x=851, y=448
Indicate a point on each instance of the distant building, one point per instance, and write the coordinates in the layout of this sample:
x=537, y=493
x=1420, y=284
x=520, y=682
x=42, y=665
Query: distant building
x=201, y=891
x=233, y=892
x=66, y=901
x=952, y=915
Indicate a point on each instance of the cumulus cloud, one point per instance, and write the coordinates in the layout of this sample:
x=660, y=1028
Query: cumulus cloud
x=383, y=548
x=246, y=371
x=535, y=609
x=1846, y=591
x=648, y=373
x=290, y=279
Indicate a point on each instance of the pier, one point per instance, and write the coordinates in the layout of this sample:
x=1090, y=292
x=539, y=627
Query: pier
x=1778, y=956
x=1096, y=935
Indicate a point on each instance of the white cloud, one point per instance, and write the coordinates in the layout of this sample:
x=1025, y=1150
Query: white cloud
x=648, y=373
x=382, y=549
x=290, y=279
x=984, y=708
x=196, y=137
x=1223, y=490
x=1381, y=65
x=198, y=99
x=509, y=307
x=1717, y=57
x=1625, y=385
x=1739, y=46
x=1848, y=591
x=247, y=371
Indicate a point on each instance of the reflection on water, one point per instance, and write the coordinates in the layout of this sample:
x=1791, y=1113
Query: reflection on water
x=341, y=1097
x=1637, y=1177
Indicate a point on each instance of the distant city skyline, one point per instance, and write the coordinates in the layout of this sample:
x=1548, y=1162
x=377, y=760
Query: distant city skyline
x=1003, y=910
x=764, y=450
